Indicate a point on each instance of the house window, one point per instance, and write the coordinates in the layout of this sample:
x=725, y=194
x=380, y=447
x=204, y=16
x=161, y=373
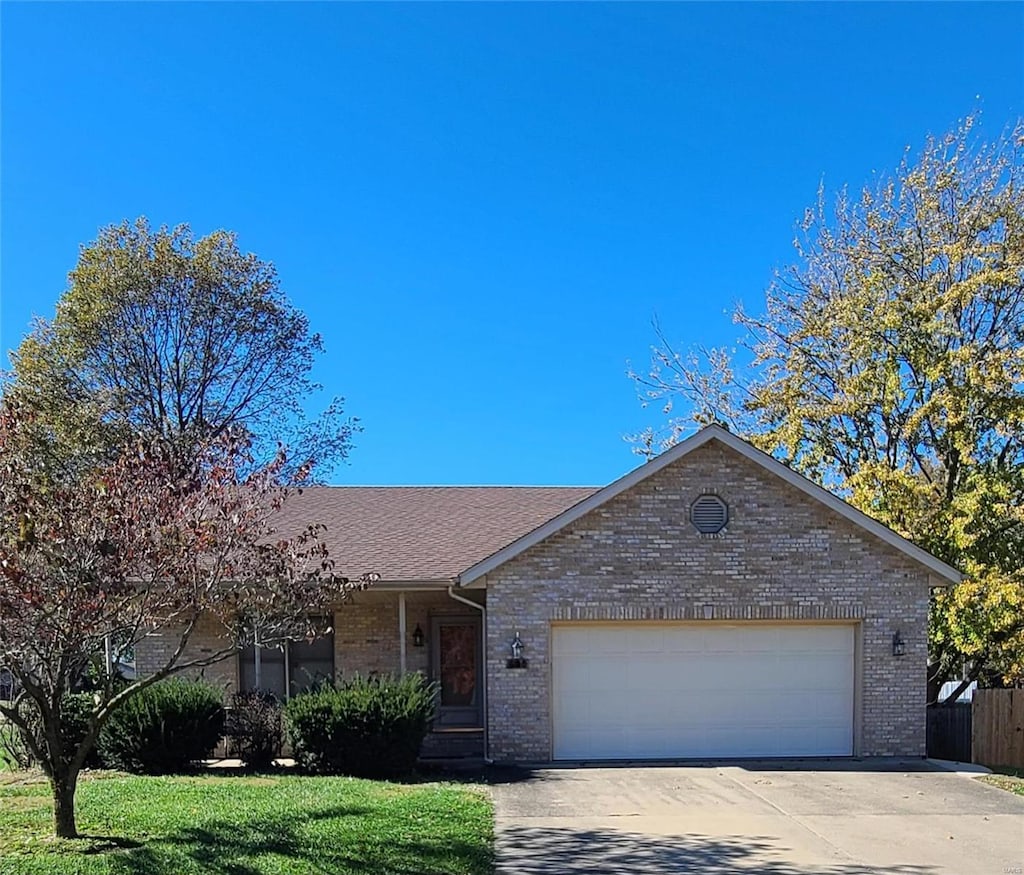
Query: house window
x=289, y=669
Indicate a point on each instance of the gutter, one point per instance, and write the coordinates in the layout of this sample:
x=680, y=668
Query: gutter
x=483, y=688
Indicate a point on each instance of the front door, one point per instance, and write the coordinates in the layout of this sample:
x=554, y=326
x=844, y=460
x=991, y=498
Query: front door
x=457, y=668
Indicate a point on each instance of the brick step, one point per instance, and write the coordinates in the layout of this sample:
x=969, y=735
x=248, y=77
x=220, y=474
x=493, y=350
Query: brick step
x=453, y=744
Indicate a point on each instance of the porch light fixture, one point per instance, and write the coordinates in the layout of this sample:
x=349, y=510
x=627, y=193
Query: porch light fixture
x=899, y=646
x=417, y=636
x=516, y=649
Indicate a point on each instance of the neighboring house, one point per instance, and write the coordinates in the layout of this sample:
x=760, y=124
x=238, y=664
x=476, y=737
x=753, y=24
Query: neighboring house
x=711, y=603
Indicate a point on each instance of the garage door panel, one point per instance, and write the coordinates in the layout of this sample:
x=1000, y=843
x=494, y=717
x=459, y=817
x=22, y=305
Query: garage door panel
x=653, y=741
x=611, y=672
x=828, y=707
x=712, y=707
x=576, y=709
x=645, y=641
x=594, y=674
x=574, y=674
x=820, y=638
x=681, y=640
x=688, y=681
x=664, y=719
x=576, y=742
x=649, y=672
x=829, y=739
x=572, y=641
x=630, y=691
x=723, y=641
x=809, y=741
x=615, y=643
x=607, y=711
x=812, y=671
x=734, y=670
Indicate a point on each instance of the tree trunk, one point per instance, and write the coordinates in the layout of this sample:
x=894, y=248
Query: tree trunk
x=936, y=677
x=952, y=697
x=972, y=676
x=64, y=781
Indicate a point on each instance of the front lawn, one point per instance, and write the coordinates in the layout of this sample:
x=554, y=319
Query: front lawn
x=1006, y=778
x=245, y=825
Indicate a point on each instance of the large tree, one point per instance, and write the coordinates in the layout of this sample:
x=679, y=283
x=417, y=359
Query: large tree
x=163, y=334
x=888, y=365
x=133, y=546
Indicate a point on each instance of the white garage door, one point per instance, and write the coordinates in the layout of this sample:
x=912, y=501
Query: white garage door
x=624, y=691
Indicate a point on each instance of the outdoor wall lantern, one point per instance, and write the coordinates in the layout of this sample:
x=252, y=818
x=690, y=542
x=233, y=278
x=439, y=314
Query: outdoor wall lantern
x=899, y=647
x=417, y=636
x=516, y=649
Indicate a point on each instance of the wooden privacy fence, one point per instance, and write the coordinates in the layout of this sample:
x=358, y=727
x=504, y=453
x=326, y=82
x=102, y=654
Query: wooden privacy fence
x=949, y=732
x=997, y=732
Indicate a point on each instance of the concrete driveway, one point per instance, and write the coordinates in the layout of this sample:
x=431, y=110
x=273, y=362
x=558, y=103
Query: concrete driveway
x=778, y=819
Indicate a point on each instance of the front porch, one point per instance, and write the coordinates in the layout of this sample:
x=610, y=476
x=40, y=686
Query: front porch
x=394, y=631
x=386, y=629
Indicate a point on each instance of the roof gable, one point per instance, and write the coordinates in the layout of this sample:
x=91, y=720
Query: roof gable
x=763, y=460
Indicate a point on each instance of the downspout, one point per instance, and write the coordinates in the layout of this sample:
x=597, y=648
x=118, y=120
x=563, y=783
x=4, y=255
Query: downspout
x=483, y=689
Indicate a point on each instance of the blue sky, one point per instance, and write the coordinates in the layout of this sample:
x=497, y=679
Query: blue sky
x=480, y=207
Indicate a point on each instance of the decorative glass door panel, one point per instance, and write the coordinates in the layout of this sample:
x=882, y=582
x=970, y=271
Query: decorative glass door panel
x=457, y=670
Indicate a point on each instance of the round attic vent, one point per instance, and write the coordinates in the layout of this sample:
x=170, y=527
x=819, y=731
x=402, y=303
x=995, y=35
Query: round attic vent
x=709, y=514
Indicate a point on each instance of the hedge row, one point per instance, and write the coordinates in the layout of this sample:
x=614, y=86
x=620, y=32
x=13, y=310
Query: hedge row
x=362, y=727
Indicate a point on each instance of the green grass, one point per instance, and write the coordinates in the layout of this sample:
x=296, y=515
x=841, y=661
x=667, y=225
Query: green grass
x=1006, y=778
x=248, y=825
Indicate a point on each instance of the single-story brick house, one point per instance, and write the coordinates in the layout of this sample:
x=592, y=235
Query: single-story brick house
x=710, y=603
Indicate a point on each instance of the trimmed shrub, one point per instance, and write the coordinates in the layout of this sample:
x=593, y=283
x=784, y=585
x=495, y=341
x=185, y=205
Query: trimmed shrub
x=163, y=729
x=365, y=727
x=255, y=728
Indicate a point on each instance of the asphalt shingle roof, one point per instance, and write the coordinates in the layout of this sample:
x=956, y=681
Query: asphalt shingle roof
x=423, y=532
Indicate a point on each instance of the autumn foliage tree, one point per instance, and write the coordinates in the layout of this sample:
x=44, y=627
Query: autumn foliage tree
x=138, y=544
x=888, y=365
x=164, y=334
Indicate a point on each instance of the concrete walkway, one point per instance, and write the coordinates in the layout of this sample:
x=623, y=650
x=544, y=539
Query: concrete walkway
x=907, y=818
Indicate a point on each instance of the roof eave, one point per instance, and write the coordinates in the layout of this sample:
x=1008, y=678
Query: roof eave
x=438, y=583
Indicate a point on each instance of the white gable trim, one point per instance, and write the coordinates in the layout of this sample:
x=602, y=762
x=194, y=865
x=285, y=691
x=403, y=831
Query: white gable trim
x=709, y=433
